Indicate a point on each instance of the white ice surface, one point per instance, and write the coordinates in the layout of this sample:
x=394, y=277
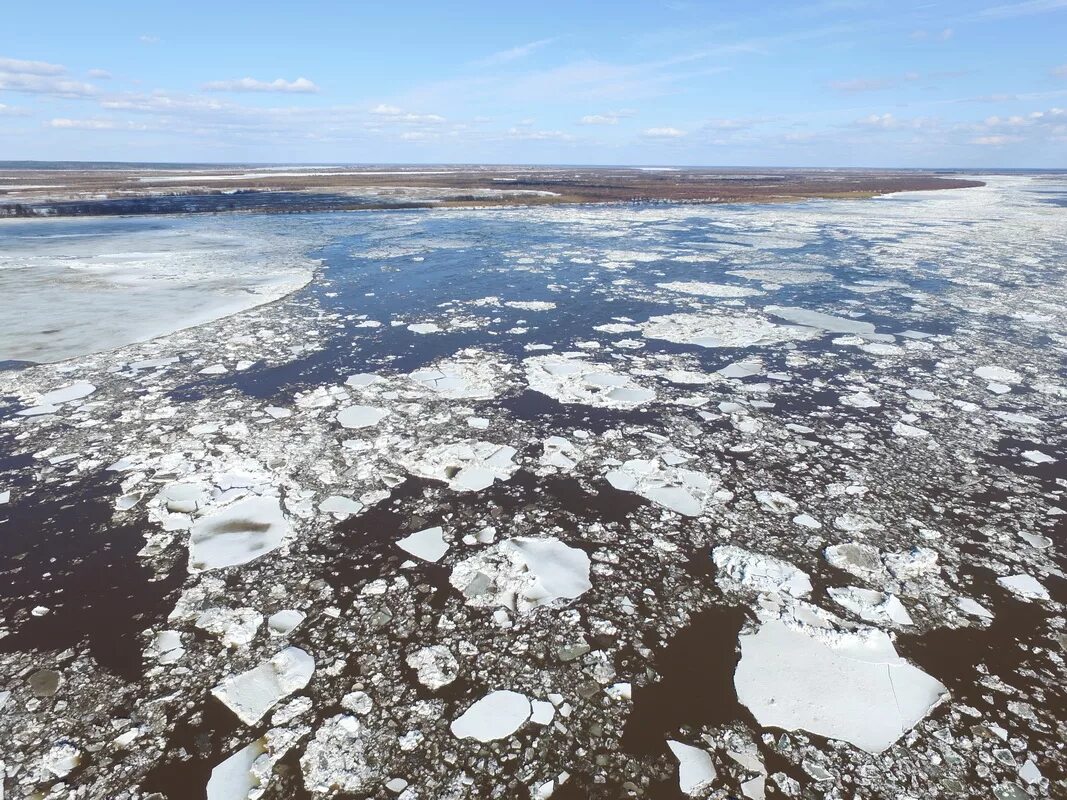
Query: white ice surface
x=848, y=686
x=237, y=534
x=496, y=716
x=428, y=544
x=128, y=282
x=522, y=574
x=233, y=779
x=252, y=694
x=695, y=768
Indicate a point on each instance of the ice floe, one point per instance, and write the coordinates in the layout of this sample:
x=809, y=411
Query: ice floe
x=683, y=491
x=464, y=466
x=722, y=330
x=495, y=716
x=573, y=380
x=251, y=694
x=848, y=686
x=428, y=544
x=696, y=771
x=758, y=572
x=236, y=534
x=522, y=574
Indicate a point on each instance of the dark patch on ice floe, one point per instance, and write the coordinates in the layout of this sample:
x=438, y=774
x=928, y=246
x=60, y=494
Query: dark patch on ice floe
x=696, y=682
x=86, y=571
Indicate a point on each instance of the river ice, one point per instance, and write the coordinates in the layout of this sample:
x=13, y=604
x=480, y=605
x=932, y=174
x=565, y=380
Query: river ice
x=569, y=501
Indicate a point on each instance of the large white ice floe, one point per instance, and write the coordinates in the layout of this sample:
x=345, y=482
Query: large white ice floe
x=695, y=768
x=758, y=572
x=683, y=491
x=235, y=778
x=573, y=380
x=871, y=606
x=522, y=574
x=469, y=375
x=336, y=759
x=50, y=402
x=850, y=686
x=820, y=320
x=722, y=330
x=252, y=694
x=1025, y=586
x=709, y=289
x=495, y=716
x=428, y=544
x=464, y=466
x=356, y=417
x=237, y=533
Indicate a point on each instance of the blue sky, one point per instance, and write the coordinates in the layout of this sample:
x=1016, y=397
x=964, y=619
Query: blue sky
x=806, y=83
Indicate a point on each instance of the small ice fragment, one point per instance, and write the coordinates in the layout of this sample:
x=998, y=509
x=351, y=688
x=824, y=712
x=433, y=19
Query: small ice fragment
x=543, y=712
x=496, y=716
x=361, y=379
x=973, y=607
x=1025, y=586
x=1029, y=773
x=233, y=779
x=695, y=768
x=282, y=622
x=428, y=544
x=361, y=416
x=998, y=374
x=870, y=605
x=214, y=369
x=776, y=502
x=906, y=431
x=235, y=627
x=806, y=521
x=252, y=694
x=61, y=759
x=424, y=327
x=1037, y=457
x=340, y=505
x=74, y=391
x=758, y=572
x=434, y=666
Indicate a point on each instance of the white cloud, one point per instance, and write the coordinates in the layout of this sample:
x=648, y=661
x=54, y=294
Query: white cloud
x=1060, y=71
x=860, y=85
x=31, y=83
x=997, y=140
x=12, y=111
x=299, y=86
x=513, y=53
x=606, y=118
x=30, y=67
x=40, y=77
x=99, y=74
x=147, y=38
x=1023, y=9
x=397, y=114
x=94, y=125
x=663, y=133
x=525, y=134
x=878, y=121
x=599, y=119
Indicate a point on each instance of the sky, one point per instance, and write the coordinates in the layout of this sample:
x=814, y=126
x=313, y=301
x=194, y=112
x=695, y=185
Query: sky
x=809, y=83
